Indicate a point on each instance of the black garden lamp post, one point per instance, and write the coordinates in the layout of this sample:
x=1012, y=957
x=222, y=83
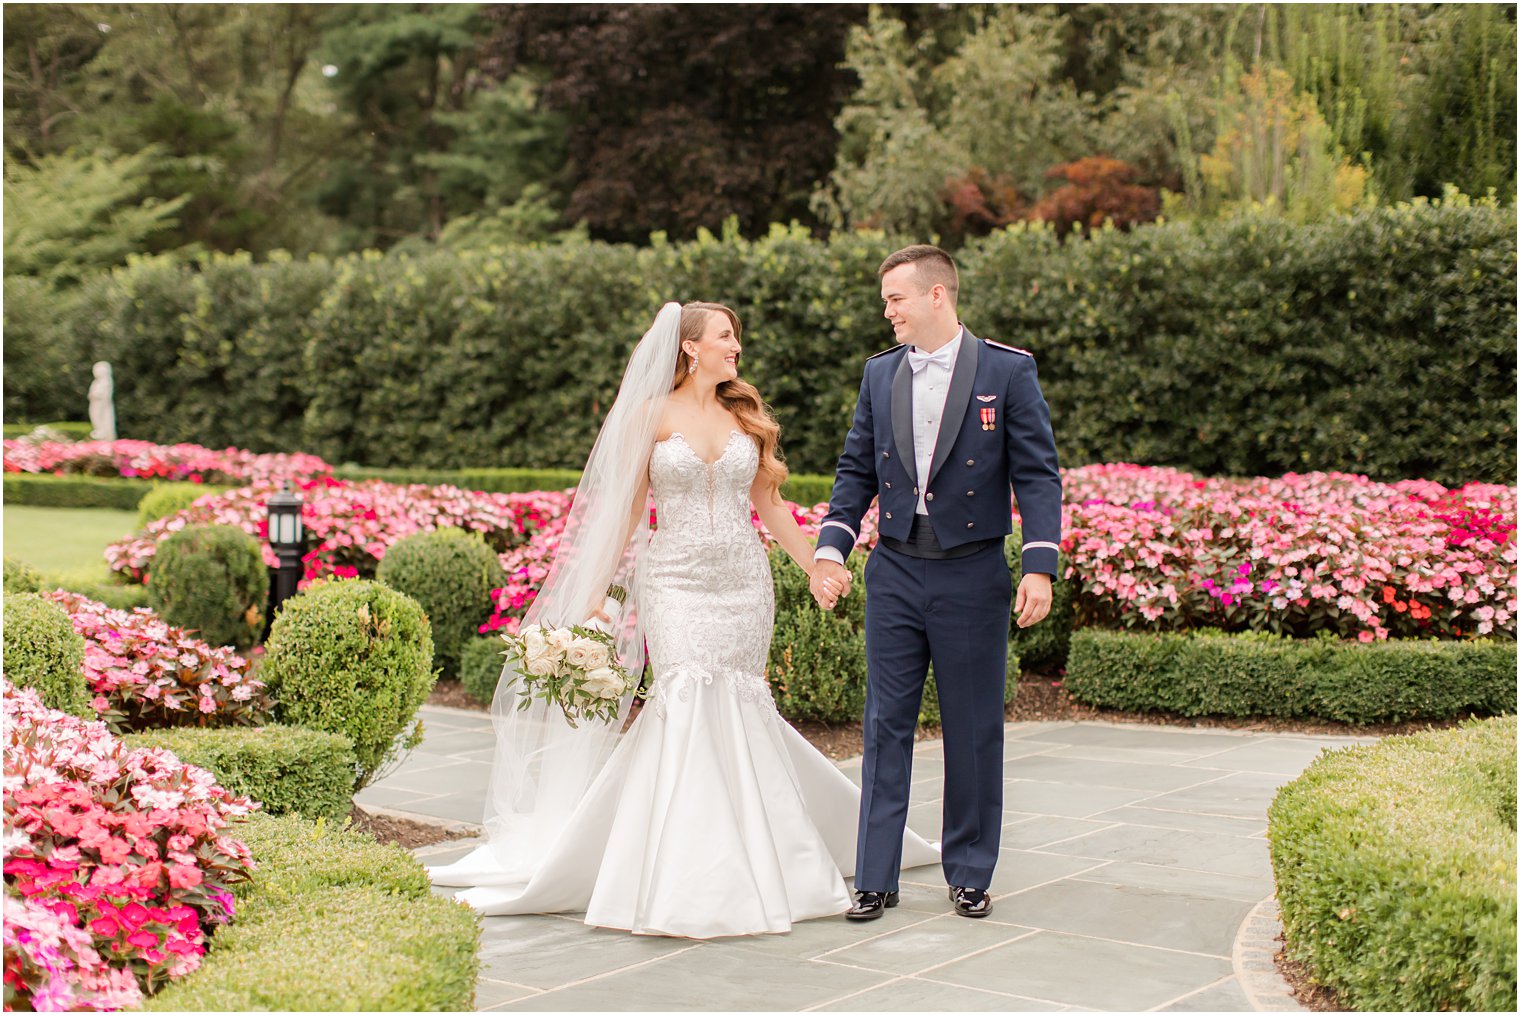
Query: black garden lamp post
x=287, y=538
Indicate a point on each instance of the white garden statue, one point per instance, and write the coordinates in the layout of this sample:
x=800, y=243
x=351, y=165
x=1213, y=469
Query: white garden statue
x=102, y=410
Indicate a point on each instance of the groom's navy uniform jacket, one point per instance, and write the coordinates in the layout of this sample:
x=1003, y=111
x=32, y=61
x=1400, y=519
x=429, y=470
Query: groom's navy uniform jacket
x=943, y=596
x=1003, y=441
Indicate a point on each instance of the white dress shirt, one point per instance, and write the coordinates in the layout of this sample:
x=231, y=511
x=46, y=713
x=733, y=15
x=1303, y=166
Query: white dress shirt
x=931, y=386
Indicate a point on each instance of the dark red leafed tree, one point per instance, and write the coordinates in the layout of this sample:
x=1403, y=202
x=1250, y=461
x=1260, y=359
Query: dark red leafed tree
x=682, y=115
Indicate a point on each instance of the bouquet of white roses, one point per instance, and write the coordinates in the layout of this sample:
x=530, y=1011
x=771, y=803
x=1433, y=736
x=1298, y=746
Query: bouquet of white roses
x=575, y=667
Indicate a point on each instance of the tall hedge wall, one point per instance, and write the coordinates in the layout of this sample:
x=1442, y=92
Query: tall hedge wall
x=1380, y=343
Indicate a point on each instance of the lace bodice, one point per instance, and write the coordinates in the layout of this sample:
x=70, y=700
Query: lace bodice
x=705, y=584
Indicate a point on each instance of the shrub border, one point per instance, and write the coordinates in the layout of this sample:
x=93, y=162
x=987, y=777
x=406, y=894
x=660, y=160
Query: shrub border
x=1396, y=873
x=1257, y=674
x=123, y=494
x=358, y=919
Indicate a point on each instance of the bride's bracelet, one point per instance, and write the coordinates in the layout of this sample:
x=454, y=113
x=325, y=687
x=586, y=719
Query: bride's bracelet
x=619, y=593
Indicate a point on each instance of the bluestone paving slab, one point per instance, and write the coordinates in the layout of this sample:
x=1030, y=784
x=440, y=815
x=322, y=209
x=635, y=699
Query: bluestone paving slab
x=713, y=979
x=490, y=993
x=1084, y=971
x=1068, y=800
x=1171, y=847
x=1142, y=737
x=1225, y=995
x=1131, y=858
x=1147, y=812
x=1278, y=757
x=1041, y=830
x=1239, y=888
x=548, y=951
x=1124, y=775
x=456, y=777
x=1191, y=923
x=912, y=994
x=925, y=944
x=453, y=807
x=1233, y=794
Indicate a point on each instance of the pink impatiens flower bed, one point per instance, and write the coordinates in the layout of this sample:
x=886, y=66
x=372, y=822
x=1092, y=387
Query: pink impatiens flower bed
x=117, y=862
x=1160, y=549
x=349, y=526
x=147, y=674
x=145, y=460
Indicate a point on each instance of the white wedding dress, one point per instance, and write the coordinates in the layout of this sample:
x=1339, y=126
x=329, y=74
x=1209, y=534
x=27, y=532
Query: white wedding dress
x=713, y=816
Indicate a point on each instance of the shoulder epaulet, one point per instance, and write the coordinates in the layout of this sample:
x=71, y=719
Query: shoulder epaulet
x=884, y=352
x=1010, y=348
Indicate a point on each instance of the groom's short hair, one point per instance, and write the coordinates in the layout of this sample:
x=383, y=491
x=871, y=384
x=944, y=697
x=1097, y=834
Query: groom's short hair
x=932, y=265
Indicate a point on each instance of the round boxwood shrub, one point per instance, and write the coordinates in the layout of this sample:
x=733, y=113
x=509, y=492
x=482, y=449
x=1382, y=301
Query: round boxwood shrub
x=213, y=580
x=480, y=667
x=451, y=572
x=43, y=651
x=21, y=577
x=352, y=657
x=167, y=499
x=1395, y=870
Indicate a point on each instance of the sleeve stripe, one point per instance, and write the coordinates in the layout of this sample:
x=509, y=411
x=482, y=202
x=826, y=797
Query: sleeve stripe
x=1034, y=544
x=840, y=525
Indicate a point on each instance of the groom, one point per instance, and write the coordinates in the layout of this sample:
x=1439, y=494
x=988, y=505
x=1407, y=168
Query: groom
x=946, y=424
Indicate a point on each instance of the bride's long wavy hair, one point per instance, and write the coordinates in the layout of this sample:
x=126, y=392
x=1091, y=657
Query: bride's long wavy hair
x=737, y=396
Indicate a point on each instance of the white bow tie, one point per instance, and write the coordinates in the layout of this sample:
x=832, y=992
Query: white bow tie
x=944, y=356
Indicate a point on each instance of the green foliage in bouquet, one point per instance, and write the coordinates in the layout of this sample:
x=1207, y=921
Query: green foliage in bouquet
x=480, y=666
x=166, y=499
x=575, y=668
x=287, y=769
x=451, y=573
x=43, y=651
x=212, y=580
x=352, y=657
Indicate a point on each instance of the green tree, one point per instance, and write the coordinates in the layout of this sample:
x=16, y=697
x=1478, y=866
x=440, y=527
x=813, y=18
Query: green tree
x=1274, y=150
x=72, y=214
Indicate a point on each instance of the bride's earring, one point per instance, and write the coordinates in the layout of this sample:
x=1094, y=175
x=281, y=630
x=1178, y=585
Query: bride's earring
x=691, y=367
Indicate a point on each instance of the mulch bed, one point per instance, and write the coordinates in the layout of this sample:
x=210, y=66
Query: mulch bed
x=401, y=831
x=1313, y=996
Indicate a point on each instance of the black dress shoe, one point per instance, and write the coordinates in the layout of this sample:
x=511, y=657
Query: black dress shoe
x=869, y=905
x=972, y=902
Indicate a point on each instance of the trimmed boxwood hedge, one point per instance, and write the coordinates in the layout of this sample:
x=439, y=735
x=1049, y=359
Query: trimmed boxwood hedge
x=42, y=651
x=1260, y=674
x=1141, y=336
x=72, y=430
x=1395, y=869
x=800, y=488
x=333, y=921
x=73, y=491
x=288, y=769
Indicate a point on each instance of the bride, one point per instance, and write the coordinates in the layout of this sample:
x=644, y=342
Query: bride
x=711, y=815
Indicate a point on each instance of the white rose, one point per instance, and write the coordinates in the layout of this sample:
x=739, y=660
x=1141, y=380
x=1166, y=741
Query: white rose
x=579, y=653
x=537, y=658
x=597, y=656
x=604, y=682
x=559, y=640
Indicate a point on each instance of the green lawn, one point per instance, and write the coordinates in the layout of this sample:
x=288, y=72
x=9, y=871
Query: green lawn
x=65, y=540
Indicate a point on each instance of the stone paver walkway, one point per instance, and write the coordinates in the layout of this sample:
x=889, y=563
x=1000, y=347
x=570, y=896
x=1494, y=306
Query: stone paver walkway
x=1134, y=876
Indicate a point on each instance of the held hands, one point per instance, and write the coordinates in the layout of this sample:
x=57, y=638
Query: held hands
x=1033, y=601
x=829, y=582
